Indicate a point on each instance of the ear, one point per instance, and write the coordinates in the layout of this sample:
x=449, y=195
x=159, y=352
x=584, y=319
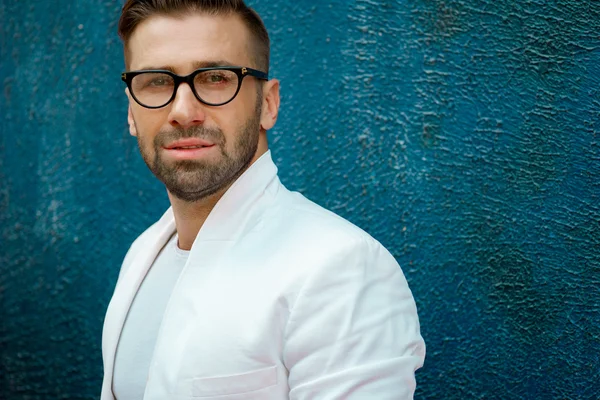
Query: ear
x=130, y=121
x=270, y=106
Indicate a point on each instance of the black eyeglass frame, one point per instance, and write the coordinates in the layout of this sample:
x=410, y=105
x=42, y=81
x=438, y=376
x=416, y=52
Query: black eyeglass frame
x=241, y=72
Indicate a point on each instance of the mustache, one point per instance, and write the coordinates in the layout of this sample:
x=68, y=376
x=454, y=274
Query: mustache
x=214, y=135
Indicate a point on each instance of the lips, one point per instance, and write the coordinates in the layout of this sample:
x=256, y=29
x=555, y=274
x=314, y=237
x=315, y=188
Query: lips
x=188, y=144
x=191, y=149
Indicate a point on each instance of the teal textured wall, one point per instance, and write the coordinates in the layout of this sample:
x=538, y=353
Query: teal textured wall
x=464, y=135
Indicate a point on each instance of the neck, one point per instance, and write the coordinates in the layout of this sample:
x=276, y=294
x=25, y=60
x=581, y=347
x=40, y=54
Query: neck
x=189, y=217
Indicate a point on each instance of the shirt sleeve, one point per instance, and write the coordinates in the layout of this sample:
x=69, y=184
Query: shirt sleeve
x=353, y=331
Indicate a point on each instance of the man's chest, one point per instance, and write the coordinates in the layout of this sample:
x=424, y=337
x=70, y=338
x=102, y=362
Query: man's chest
x=222, y=331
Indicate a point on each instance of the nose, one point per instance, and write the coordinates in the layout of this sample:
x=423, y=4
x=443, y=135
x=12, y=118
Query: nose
x=186, y=110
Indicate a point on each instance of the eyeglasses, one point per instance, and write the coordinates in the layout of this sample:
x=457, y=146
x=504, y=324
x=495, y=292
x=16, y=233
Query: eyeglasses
x=215, y=86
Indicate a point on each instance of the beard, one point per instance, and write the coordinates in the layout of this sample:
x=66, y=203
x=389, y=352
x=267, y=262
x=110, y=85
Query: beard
x=194, y=180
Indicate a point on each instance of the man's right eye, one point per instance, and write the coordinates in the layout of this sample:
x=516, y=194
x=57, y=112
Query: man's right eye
x=158, y=82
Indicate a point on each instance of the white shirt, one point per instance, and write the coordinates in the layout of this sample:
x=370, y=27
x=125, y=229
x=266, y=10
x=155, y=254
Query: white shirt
x=136, y=345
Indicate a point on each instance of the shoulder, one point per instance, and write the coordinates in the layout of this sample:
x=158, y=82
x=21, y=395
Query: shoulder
x=302, y=214
x=305, y=230
x=143, y=239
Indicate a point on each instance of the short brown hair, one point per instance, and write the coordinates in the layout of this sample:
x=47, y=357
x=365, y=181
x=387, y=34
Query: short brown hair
x=136, y=11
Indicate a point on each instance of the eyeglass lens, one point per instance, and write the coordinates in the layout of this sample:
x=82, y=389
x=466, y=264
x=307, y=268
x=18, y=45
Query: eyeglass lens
x=156, y=89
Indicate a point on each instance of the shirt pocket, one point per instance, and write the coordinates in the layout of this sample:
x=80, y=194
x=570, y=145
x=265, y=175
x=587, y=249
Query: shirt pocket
x=235, y=384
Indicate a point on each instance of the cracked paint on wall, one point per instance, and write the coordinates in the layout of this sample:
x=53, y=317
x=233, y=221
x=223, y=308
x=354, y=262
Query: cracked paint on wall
x=461, y=134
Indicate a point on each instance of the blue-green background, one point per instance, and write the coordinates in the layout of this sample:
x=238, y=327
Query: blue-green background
x=464, y=135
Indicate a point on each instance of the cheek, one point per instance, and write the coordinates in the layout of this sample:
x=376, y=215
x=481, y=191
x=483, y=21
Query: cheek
x=148, y=122
x=227, y=121
x=235, y=115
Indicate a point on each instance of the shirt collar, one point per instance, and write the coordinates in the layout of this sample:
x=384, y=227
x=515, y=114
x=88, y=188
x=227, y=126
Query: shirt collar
x=242, y=205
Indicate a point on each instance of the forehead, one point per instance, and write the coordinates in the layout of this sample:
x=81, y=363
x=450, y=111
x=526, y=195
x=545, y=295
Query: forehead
x=182, y=42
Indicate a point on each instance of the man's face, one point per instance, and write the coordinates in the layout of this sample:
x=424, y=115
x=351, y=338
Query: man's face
x=169, y=137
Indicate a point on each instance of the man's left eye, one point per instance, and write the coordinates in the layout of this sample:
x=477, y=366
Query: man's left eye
x=216, y=78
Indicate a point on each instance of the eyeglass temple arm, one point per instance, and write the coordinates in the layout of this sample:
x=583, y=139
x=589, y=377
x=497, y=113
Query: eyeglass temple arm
x=256, y=73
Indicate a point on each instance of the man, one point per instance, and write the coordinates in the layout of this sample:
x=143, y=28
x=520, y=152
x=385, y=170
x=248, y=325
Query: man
x=242, y=290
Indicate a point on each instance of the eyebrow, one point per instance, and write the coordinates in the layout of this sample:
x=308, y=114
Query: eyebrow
x=195, y=65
